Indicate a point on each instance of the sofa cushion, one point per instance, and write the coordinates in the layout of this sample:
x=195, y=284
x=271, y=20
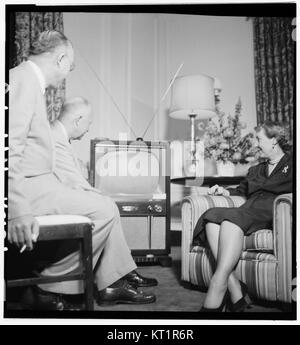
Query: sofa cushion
x=261, y=240
x=256, y=269
x=259, y=271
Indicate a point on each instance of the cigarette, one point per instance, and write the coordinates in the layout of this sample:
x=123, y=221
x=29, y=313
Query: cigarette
x=23, y=248
x=33, y=237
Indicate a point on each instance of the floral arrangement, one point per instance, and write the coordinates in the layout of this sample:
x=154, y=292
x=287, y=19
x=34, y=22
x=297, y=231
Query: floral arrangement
x=223, y=140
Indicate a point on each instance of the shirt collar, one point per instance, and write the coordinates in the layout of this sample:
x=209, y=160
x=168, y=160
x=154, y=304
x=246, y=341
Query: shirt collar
x=39, y=75
x=275, y=162
x=63, y=128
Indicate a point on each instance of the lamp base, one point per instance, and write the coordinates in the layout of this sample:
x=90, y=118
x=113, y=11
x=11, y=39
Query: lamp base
x=193, y=142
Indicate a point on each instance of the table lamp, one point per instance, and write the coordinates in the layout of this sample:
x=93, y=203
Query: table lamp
x=193, y=97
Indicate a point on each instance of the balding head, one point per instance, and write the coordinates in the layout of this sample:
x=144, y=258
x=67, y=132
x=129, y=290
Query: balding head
x=53, y=53
x=75, y=115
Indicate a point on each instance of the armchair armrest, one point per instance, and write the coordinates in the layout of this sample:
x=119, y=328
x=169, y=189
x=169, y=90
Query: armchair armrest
x=282, y=227
x=192, y=208
x=178, y=192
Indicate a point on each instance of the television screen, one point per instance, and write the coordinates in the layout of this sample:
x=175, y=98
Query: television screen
x=126, y=170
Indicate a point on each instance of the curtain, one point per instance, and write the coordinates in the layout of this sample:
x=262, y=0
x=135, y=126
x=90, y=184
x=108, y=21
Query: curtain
x=28, y=25
x=274, y=54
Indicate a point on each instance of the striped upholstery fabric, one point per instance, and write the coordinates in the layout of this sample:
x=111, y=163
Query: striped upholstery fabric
x=283, y=244
x=257, y=270
x=261, y=240
x=265, y=263
x=201, y=265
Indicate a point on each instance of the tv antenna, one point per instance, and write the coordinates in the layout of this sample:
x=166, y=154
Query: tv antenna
x=118, y=108
x=110, y=96
x=163, y=98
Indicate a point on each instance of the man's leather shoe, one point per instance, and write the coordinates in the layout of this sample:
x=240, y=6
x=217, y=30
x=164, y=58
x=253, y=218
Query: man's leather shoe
x=125, y=293
x=135, y=279
x=35, y=298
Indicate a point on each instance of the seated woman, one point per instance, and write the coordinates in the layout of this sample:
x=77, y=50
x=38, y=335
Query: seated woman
x=224, y=228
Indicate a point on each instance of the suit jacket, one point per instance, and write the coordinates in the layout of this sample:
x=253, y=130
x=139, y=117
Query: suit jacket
x=261, y=189
x=66, y=165
x=30, y=144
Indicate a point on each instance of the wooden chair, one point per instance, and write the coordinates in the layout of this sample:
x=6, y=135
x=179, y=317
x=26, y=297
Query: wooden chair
x=66, y=227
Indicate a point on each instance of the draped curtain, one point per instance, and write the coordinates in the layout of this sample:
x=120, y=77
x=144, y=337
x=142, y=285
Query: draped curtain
x=27, y=26
x=274, y=53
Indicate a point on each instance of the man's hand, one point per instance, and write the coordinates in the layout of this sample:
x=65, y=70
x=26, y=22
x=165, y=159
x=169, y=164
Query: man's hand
x=23, y=230
x=218, y=190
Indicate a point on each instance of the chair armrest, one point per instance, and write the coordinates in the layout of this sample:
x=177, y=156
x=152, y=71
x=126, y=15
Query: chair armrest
x=58, y=227
x=282, y=227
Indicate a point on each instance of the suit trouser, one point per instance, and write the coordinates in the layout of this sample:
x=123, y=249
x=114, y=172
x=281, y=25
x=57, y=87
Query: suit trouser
x=48, y=196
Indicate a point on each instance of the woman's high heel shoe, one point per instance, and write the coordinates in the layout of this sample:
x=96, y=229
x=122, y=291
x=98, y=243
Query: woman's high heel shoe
x=221, y=308
x=243, y=303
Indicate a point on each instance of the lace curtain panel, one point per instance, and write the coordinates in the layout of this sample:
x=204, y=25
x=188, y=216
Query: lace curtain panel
x=274, y=53
x=25, y=27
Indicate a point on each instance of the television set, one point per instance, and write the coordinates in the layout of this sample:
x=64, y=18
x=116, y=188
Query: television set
x=136, y=175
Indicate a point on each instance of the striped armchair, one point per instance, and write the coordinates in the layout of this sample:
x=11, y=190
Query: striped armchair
x=266, y=261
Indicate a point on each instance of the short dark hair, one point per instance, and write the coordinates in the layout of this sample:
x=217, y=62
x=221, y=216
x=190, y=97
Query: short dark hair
x=277, y=130
x=48, y=41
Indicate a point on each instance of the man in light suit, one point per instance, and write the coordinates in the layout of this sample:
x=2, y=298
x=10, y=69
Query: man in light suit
x=34, y=189
x=72, y=124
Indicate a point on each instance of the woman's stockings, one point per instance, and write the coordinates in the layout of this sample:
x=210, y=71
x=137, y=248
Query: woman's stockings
x=226, y=242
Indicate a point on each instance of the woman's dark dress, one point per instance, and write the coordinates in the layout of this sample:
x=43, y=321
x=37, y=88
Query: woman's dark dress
x=260, y=190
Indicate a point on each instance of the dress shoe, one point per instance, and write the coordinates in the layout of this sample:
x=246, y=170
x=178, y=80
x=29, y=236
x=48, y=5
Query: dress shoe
x=136, y=280
x=35, y=298
x=243, y=303
x=125, y=293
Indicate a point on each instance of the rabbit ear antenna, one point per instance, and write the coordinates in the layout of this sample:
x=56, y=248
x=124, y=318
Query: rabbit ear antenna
x=108, y=93
x=163, y=98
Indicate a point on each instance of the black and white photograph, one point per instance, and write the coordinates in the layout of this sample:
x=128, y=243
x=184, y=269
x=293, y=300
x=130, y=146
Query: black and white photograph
x=150, y=162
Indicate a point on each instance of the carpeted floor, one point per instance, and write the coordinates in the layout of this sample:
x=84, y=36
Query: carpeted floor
x=171, y=295
x=173, y=301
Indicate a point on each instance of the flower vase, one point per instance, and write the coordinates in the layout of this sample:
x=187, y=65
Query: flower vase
x=210, y=168
x=225, y=168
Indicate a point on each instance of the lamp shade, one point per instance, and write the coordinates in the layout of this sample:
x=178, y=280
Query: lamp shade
x=192, y=94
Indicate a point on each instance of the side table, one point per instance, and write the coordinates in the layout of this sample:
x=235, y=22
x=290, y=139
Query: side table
x=208, y=181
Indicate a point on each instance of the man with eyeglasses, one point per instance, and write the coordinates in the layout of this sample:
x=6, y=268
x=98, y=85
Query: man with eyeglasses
x=34, y=189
